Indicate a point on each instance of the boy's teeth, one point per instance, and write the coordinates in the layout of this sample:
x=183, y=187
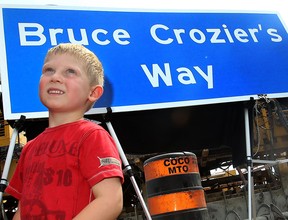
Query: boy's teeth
x=55, y=92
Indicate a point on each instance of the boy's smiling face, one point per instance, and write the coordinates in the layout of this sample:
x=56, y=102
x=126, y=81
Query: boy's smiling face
x=64, y=85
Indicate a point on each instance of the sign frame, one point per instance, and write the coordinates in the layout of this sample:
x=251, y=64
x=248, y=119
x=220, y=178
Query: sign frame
x=6, y=90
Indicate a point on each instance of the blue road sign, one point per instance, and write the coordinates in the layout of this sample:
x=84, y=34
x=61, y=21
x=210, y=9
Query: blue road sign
x=152, y=59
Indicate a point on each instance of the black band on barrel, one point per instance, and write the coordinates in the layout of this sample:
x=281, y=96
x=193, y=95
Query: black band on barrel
x=174, y=183
x=199, y=214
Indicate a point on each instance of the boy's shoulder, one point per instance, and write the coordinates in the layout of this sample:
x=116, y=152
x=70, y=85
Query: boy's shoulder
x=89, y=123
x=92, y=121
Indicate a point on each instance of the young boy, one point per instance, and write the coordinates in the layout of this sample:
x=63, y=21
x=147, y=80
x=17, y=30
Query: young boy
x=72, y=170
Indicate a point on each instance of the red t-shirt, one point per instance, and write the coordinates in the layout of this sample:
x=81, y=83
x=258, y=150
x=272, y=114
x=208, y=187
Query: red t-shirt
x=57, y=169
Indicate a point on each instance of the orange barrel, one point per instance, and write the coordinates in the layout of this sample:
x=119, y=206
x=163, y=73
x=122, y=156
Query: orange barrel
x=173, y=185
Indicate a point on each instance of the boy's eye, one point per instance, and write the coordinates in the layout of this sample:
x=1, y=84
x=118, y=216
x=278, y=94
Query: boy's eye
x=48, y=71
x=70, y=72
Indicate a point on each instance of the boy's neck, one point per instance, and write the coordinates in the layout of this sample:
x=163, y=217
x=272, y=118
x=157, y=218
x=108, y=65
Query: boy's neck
x=56, y=119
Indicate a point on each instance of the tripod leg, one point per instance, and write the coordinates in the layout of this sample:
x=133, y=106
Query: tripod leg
x=8, y=160
x=128, y=169
x=3, y=184
x=249, y=162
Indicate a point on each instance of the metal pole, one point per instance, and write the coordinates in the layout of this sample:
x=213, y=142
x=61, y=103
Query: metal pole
x=4, y=182
x=249, y=162
x=7, y=165
x=128, y=169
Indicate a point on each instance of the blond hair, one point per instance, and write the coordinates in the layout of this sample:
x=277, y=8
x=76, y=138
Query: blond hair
x=94, y=68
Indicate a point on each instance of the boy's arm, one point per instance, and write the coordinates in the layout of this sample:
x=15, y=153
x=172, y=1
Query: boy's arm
x=108, y=202
x=17, y=213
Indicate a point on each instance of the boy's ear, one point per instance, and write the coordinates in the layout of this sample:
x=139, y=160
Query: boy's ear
x=96, y=93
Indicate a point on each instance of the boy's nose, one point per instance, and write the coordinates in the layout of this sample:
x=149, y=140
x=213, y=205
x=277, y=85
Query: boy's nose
x=56, y=77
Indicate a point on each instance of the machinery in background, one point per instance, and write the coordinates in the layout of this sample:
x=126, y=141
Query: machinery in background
x=225, y=185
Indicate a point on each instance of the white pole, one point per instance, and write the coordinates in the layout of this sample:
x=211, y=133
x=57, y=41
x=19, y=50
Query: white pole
x=4, y=182
x=8, y=160
x=249, y=162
